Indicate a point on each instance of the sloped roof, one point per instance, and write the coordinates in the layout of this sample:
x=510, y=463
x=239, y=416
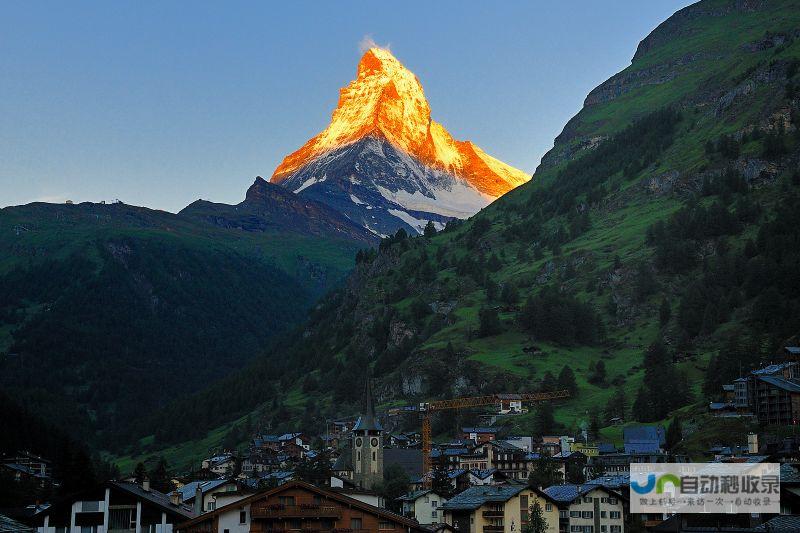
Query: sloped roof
x=409, y=459
x=153, y=496
x=189, y=490
x=8, y=525
x=483, y=474
x=782, y=524
x=474, y=497
x=771, y=369
x=413, y=495
x=644, y=433
x=781, y=383
x=479, y=430
x=333, y=495
x=616, y=481
x=368, y=421
x=789, y=474
x=569, y=493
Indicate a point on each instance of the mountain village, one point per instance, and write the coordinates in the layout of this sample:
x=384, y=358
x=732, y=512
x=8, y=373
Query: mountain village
x=369, y=340
x=360, y=476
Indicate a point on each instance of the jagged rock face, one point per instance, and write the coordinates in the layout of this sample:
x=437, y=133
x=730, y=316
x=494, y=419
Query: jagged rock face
x=384, y=163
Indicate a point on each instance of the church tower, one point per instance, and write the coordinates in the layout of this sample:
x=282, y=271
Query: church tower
x=367, y=444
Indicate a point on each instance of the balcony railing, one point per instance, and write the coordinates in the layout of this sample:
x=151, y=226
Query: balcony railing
x=493, y=528
x=496, y=513
x=296, y=511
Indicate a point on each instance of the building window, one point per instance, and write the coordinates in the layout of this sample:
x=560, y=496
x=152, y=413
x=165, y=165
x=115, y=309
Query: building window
x=614, y=514
x=242, y=517
x=433, y=513
x=210, y=506
x=374, y=456
x=587, y=514
x=612, y=501
x=602, y=514
x=563, y=514
x=286, y=500
x=355, y=523
x=226, y=530
x=548, y=507
x=587, y=499
x=385, y=525
x=574, y=514
x=616, y=529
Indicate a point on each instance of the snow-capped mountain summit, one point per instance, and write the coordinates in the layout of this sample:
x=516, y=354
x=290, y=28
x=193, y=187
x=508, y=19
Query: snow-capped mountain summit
x=385, y=164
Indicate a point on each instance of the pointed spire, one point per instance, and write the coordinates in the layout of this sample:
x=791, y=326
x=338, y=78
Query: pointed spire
x=368, y=421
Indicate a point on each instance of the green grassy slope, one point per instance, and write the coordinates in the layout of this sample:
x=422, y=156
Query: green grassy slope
x=582, y=228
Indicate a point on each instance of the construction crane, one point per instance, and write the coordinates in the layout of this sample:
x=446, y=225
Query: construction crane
x=425, y=410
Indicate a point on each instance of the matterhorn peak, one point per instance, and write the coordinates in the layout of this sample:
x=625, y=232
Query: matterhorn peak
x=384, y=110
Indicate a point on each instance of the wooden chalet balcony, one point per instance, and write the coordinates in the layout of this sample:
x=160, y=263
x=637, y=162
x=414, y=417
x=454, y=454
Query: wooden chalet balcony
x=496, y=513
x=296, y=511
x=492, y=529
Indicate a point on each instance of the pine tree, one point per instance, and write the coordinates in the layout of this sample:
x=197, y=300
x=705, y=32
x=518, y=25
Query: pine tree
x=430, y=229
x=545, y=473
x=536, y=520
x=489, y=322
x=616, y=404
x=159, y=477
x=545, y=421
x=549, y=382
x=674, y=434
x=566, y=380
x=509, y=295
x=440, y=482
x=139, y=473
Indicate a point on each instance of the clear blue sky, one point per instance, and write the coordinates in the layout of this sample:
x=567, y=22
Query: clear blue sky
x=161, y=103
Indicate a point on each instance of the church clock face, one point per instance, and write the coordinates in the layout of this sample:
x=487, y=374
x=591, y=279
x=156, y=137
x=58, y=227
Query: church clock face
x=359, y=442
x=374, y=442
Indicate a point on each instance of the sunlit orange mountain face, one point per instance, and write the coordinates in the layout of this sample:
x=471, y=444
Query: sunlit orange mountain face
x=384, y=163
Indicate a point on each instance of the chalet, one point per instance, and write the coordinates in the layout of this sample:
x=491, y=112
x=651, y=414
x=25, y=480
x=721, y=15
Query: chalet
x=588, y=507
x=422, y=506
x=221, y=465
x=501, y=508
x=264, y=460
x=212, y=493
x=499, y=454
x=620, y=463
x=35, y=465
x=524, y=443
x=114, y=506
x=479, y=435
x=510, y=404
x=299, y=506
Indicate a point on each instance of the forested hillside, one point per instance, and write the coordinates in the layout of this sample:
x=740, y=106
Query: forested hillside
x=108, y=312
x=654, y=254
